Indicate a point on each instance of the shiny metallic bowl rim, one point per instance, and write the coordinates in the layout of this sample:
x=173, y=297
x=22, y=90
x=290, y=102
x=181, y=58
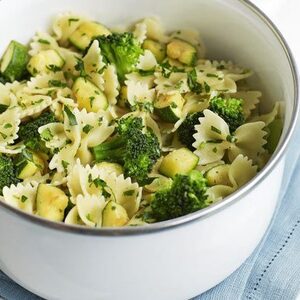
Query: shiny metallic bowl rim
x=206, y=212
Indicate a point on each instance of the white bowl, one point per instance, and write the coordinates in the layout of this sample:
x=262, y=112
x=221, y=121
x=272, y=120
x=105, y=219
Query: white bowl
x=180, y=258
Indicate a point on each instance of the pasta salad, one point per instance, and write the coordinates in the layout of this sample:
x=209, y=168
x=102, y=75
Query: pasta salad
x=108, y=128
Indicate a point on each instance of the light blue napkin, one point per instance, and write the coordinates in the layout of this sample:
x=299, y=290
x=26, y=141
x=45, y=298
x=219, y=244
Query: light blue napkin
x=273, y=270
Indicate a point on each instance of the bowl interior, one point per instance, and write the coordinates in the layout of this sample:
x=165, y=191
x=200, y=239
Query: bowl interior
x=231, y=30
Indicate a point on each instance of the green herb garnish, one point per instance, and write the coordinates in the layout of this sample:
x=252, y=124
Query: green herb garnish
x=71, y=116
x=213, y=128
x=193, y=84
x=42, y=41
x=57, y=83
x=128, y=193
x=87, y=128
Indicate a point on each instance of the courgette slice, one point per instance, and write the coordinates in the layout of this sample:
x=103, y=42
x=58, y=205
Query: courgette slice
x=14, y=61
x=51, y=202
x=159, y=183
x=109, y=167
x=180, y=161
x=123, y=99
x=28, y=163
x=84, y=34
x=182, y=51
x=88, y=95
x=169, y=107
x=218, y=175
x=275, y=131
x=158, y=50
x=114, y=215
x=46, y=61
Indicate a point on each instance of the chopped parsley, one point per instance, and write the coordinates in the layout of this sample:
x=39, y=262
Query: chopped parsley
x=143, y=106
x=87, y=128
x=37, y=101
x=192, y=82
x=89, y=218
x=167, y=69
x=23, y=198
x=71, y=116
x=3, y=135
x=213, y=128
x=211, y=75
x=146, y=72
x=100, y=71
x=47, y=135
x=92, y=98
x=128, y=193
x=34, y=70
x=65, y=165
x=100, y=183
x=231, y=139
x=72, y=20
x=42, y=41
x=80, y=68
x=7, y=125
x=178, y=85
x=206, y=87
x=56, y=83
x=53, y=68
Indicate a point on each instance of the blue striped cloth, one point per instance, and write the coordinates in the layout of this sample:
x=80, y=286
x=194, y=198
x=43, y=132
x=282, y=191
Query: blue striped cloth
x=273, y=270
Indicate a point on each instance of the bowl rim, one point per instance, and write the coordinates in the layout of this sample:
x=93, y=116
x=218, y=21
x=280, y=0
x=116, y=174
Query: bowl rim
x=206, y=212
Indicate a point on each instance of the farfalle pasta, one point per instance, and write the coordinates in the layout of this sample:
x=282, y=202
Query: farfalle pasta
x=111, y=84
x=9, y=126
x=106, y=128
x=151, y=28
x=21, y=196
x=97, y=186
x=213, y=139
x=64, y=25
x=93, y=65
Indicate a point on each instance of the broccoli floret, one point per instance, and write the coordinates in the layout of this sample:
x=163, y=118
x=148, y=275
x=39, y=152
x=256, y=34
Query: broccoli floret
x=122, y=50
x=230, y=110
x=186, y=195
x=8, y=174
x=187, y=129
x=134, y=146
x=29, y=131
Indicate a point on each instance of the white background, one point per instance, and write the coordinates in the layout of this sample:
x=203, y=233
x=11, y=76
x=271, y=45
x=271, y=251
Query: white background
x=286, y=15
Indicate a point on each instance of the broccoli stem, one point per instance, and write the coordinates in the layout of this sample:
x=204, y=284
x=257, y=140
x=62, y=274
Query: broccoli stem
x=112, y=151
